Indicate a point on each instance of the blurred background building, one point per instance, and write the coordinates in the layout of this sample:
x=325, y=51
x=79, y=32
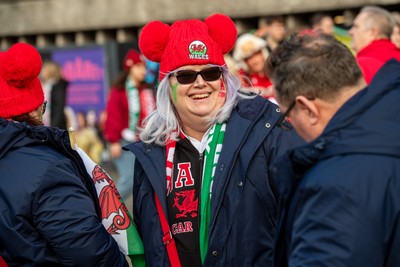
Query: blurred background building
x=64, y=22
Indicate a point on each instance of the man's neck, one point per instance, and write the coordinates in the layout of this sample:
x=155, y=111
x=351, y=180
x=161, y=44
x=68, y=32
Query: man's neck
x=342, y=98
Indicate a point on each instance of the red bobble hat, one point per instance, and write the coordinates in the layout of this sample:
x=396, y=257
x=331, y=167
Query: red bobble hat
x=20, y=88
x=188, y=42
x=131, y=58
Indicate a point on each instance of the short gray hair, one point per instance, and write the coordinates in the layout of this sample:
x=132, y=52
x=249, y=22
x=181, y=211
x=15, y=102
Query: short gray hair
x=379, y=18
x=313, y=65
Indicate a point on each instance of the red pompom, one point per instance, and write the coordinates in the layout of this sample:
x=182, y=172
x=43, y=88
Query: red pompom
x=21, y=64
x=223, y=31
x=153, y=40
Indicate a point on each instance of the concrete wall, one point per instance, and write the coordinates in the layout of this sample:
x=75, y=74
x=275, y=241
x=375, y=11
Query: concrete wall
x=27, y=17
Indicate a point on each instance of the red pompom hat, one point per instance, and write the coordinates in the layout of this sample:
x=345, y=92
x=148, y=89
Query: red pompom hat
x=20, y=88
x=188, y=42
x=131, y=58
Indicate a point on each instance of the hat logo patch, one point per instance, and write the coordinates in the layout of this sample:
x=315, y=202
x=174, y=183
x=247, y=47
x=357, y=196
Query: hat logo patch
x=198, y=50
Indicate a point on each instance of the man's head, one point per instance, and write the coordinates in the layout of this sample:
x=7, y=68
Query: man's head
x=322, y=22
x=313, y=75
x=275, y=29
x=372, y=23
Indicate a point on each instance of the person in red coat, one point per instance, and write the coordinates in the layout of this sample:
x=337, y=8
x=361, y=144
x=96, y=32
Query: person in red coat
x=129, y=103
x=370, y=35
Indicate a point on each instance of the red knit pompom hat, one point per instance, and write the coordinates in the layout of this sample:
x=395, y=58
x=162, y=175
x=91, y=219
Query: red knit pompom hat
x=131, y=58
x=20, y=88
x=188, y=42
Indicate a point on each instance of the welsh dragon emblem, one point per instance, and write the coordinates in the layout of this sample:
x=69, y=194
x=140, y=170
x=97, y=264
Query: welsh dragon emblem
x=186, y=204
x=109, y=199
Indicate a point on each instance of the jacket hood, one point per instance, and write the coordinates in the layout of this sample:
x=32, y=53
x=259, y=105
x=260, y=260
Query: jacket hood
x=14, y=135
x=369, y=121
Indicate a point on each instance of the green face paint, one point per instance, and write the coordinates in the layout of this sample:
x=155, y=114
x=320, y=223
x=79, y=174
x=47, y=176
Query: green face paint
x=173, y=91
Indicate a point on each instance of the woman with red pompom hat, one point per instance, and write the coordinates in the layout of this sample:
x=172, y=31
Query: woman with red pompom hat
x=202, y=189
x=49, y=211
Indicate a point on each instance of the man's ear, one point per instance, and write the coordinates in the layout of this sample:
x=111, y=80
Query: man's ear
x=310, y=108
x=375, y=33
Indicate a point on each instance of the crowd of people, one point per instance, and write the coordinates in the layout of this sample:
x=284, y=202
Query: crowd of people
x=254, y=150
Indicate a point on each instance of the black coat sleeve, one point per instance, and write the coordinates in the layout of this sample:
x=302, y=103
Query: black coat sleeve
x=57, y=101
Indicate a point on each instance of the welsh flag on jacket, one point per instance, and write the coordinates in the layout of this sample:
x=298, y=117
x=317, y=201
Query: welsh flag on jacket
x=115, y=216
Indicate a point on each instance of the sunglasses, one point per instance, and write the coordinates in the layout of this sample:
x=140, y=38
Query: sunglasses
x=189, y=76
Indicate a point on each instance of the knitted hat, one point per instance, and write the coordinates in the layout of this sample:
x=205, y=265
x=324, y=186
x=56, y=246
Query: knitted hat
x=131, y=58
x=20, y=88
x=246, y=46
x=188, y=42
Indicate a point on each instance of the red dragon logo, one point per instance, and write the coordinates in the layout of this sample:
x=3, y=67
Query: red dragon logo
x=110, y=202
x=188, y=204
x=197, y=48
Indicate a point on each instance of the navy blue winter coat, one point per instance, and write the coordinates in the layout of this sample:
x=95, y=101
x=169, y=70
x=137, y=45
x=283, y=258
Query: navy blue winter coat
x=341, y=192
x=49, y=212
x=243, y=206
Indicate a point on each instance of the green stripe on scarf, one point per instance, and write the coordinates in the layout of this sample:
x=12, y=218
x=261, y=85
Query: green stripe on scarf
x=133, y=105
x=214, y=147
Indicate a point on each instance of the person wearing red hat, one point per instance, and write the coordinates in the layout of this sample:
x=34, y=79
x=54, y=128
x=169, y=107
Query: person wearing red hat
x=130, y=101
x=202, y=193
x=49, y=211
x=250, y=53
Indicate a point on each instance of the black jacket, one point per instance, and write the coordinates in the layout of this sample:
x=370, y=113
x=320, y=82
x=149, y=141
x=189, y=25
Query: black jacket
x=58, y=100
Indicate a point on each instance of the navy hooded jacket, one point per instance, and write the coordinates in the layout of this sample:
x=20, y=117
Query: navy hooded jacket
x=49, y=212
x=341, y=192
x=243, y=206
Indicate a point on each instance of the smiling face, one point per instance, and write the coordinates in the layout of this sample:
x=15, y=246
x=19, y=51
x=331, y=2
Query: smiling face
x=199, y=101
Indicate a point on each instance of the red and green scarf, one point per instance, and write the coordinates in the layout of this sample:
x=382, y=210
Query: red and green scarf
x=140, y=104
x=211, y=155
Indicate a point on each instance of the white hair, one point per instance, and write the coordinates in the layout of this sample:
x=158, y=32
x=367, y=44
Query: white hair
x=161, y=125
x=379, y=18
